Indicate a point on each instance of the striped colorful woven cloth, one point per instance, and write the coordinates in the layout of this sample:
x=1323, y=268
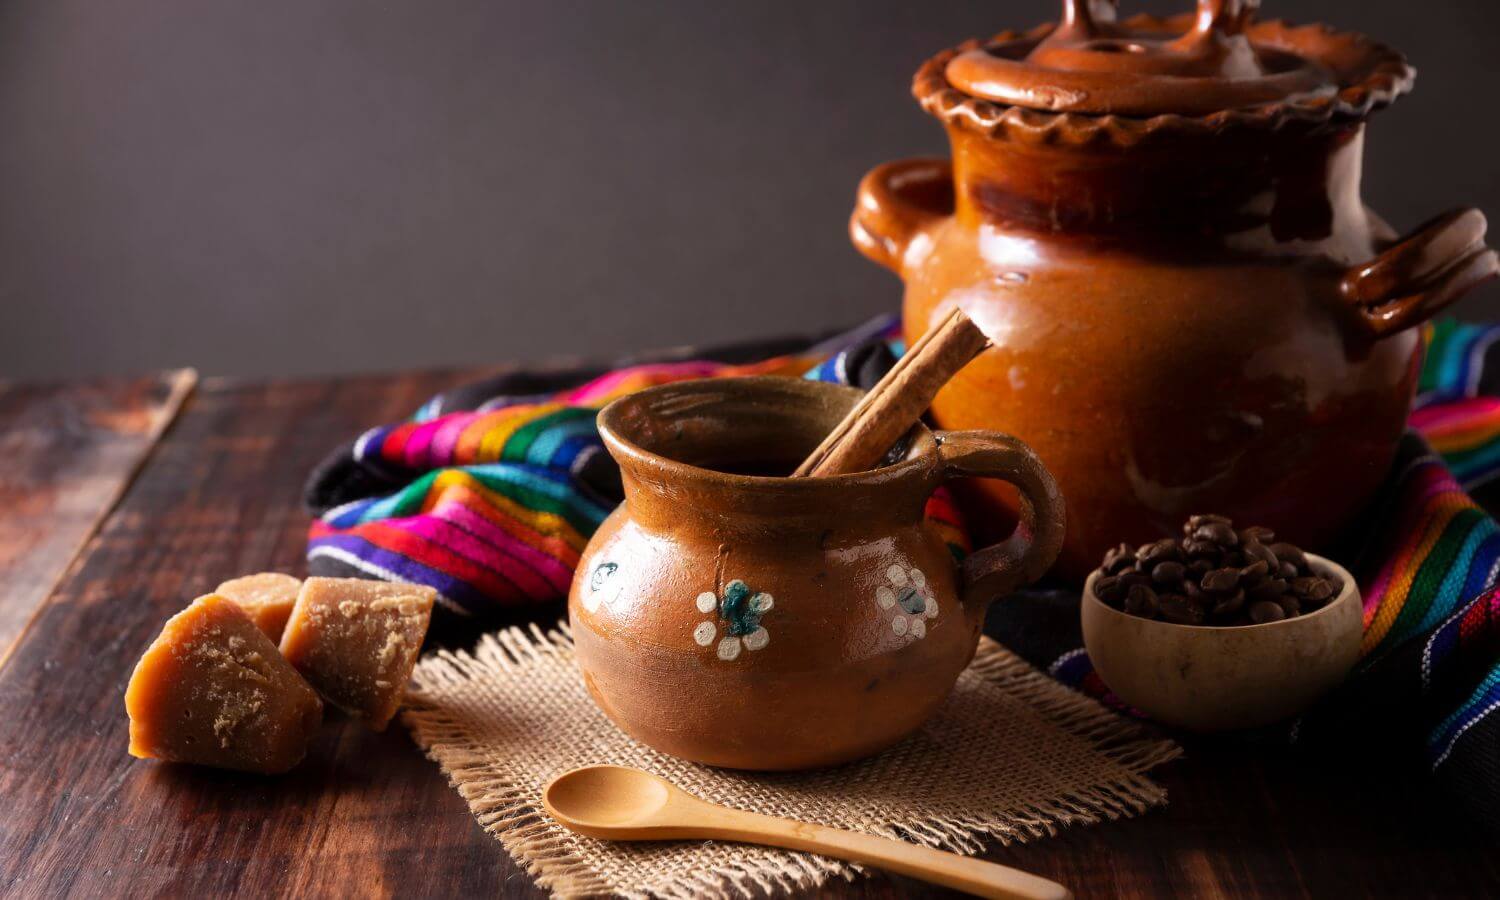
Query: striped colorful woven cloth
x=496, y=502
x=490, y=495
x=490, y=492
x=1459, y=418
x=1427, y=564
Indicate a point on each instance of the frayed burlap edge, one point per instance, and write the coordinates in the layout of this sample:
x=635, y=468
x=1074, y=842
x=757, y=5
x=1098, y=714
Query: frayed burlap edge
x=511, y=812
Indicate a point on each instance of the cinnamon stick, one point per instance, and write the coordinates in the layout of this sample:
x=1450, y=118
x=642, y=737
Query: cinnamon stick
x=893, y=405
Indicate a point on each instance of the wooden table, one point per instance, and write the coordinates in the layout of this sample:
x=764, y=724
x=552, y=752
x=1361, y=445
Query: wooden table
x=123, y=500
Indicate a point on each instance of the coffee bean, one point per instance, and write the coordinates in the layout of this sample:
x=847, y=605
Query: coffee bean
x=1177, y=609
x=1197, y=549
x=1110, y=590
x=1119, y=559
x=1161, y=551
x=1230, y=605
x=1270, y=589
x=1214, y=574
x=1170, y=599
x=1169, y=572
x=1254, y=573
x=1219, y=533
x=1141, y=601
x=1262, y=553
x=1303, y=586
x=1265, y=611
x=1198, y=521
x=1221, y=581
x=1257, y=534
x=1292, y=554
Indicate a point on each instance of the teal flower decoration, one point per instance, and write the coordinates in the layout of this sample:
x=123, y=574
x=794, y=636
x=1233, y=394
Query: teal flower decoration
x=908, y=599
x=602, y=587
x=740, y=609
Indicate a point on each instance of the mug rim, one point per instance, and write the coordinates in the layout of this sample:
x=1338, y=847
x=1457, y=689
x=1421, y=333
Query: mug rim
x=920, y=457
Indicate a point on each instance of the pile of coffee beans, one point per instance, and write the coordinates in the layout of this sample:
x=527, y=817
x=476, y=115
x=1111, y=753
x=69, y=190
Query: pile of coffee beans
x=1214, y=575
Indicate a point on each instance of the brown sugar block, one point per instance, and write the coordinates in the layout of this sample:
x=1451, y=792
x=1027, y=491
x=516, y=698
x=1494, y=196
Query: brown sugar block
x=213, y=690
x=356, y=641
x=268, y=598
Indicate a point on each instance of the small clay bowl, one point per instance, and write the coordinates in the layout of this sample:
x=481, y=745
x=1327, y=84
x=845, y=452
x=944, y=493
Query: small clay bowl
x=1205, y=678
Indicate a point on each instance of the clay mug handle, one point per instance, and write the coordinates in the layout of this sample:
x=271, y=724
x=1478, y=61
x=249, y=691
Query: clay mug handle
x=1031, y=549
x=1421, y=273
x=897, y=202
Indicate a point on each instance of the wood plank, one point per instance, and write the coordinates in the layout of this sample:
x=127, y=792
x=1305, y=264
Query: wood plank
x=220, y=497
x=368, y=815
x=69, y=451
x=1246, y=821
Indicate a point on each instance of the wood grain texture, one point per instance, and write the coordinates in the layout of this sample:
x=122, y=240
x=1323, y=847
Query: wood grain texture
x=364, y=814
x=68, y=450
x=367, y=815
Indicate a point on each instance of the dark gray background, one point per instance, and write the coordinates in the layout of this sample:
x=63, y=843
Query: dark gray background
x=308, y=186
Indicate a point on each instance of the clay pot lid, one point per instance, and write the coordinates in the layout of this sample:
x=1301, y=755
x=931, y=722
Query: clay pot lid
x=1216, y=67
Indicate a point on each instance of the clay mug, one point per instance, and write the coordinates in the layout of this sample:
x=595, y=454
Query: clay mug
x=735, y=618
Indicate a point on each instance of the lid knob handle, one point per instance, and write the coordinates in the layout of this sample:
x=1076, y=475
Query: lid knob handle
x=1225, y=17
x=1081, y=18
x=1217, y=43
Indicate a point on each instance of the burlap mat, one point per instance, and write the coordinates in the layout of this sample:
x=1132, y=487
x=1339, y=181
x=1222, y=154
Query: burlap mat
x=1011, y=755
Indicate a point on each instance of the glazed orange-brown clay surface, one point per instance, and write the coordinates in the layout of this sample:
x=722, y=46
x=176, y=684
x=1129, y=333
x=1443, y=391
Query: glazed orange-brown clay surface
x=267, y=598
x=213, y=690
x=357, y=640
x=1189, y=305
x=763, y=622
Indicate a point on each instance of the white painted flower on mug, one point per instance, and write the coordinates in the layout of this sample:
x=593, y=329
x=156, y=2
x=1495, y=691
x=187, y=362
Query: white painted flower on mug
x=907, y=599
x=603, y=586
x=738, y=613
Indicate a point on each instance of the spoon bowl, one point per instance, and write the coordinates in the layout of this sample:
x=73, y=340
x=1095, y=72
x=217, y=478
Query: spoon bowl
x=625, y=804
x=606, y=801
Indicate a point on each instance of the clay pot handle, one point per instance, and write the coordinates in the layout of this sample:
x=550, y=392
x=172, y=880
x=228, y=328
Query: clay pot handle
x=1032, y=548
x=1421, y=274
x=895, y=203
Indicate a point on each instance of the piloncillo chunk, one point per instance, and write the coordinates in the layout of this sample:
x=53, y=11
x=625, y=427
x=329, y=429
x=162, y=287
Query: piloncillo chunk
x=267, y=597
x=356, y=641
x=213, y=690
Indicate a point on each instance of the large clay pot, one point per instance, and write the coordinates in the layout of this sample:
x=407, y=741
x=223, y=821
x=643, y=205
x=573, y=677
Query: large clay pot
x=1190, y=306
x=783, y=623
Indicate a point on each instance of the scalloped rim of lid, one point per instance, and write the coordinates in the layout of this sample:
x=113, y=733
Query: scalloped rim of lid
x=1369, y=75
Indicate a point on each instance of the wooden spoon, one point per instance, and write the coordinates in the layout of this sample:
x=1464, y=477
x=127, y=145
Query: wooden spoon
x=616, y=803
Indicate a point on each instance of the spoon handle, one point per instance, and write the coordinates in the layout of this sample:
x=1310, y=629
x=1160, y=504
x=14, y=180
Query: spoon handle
x=974, y=876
